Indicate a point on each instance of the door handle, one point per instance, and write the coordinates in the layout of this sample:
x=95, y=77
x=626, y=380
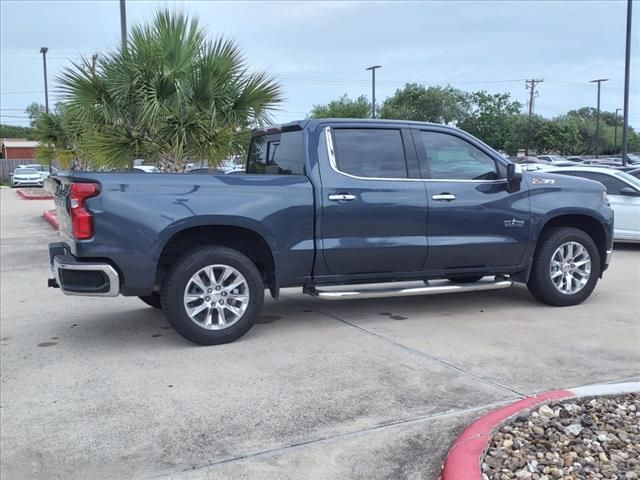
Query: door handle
x=444, y=197
x=337, y=197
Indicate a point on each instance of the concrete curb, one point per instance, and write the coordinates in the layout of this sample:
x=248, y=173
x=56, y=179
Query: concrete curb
x=27, y=196
x=464, y=460
x=51, y=218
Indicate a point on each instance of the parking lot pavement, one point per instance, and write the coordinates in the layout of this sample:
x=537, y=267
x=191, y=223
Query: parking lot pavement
x=372, y=389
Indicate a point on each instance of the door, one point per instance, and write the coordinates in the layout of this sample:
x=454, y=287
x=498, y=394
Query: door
x=474, y=221
x=626, y=208
x=374, y=205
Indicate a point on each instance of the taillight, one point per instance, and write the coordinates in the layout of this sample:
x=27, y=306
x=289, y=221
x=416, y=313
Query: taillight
x=81, y=218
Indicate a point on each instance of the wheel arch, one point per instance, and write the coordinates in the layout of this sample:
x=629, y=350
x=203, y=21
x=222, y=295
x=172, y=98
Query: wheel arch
x=587, y=223
x=246, y=240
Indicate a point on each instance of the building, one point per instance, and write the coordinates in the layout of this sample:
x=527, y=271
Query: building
x=17, y=149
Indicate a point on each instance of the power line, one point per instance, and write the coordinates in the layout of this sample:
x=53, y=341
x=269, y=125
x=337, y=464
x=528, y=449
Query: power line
x=20, y=93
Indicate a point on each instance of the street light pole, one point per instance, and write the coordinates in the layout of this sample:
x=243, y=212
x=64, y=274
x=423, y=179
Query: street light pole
x=598, y=81
x=615, y=130
x=373, y=89
x=123, y=23
x=627, y=74
x=43, y=51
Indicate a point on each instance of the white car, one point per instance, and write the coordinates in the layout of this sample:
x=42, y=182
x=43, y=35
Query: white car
x=623, y=191
x=42, y=169
x=551, y=158
x=147, y=168
x=23, y=176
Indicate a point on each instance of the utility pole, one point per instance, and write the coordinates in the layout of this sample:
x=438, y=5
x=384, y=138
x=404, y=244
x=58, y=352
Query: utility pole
x=627, y=74
x=598, y=81
x=43, y=51
x=123, y=23
x=531, y=85
x=373, y=88
x=615, y=130
x=94, y=59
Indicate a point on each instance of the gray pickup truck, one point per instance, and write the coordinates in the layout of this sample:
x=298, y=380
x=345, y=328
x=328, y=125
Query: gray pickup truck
x=341, y=208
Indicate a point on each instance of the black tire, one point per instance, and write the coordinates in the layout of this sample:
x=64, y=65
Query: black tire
x=467, y=279
x=540, y=284
x=178, y=277
x=152, y=300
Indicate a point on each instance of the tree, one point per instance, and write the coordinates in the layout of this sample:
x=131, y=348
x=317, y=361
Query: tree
x=433, y=104
x=14, y=131
x=171, y=96
x=490, y=116
x=60, y=135
x=343, y=107
x=34, y=109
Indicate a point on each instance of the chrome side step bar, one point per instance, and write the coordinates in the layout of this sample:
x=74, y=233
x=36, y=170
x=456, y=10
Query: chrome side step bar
x=434, y=288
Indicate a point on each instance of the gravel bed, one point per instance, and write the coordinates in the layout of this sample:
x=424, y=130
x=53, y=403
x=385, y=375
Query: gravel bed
x=571, y=440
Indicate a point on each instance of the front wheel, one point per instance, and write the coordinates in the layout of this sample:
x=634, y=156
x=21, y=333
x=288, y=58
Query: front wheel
x=566, y=267
x=212, y=295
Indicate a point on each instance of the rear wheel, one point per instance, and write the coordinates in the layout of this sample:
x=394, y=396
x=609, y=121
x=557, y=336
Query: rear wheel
x=566, y=267
x=212, y=295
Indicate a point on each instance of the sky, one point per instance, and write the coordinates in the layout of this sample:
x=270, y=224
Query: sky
x=319, y=50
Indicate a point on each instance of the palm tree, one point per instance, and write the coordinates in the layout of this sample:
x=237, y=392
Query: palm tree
x=58, y=133
x=170, y=96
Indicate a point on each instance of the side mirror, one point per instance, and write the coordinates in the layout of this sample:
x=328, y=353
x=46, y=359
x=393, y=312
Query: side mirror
x=514, y=177
x=630, y=192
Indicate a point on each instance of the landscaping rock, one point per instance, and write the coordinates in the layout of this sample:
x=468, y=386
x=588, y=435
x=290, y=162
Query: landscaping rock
x=585, y=439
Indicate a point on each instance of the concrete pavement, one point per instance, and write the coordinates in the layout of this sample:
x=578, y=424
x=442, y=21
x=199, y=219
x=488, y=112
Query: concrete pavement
x=372, y=389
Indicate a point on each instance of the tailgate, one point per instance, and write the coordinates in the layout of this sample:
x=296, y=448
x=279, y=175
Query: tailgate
x=60, y=186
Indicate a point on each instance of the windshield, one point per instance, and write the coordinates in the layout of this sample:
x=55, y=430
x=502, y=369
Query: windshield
x=26, y=171
x=629, y=179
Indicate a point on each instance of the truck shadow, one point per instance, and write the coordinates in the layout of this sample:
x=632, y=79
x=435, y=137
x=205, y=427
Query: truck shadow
x=139, y=327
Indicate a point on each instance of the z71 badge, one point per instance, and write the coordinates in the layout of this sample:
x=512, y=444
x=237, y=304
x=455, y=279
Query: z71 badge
x=513, y=223
x=543, y=181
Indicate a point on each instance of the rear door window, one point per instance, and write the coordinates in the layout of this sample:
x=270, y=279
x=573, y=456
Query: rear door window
x=277, y=154
x=370, y=152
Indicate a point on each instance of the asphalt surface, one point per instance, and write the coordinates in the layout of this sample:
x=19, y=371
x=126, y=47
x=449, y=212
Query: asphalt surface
x=359, y=389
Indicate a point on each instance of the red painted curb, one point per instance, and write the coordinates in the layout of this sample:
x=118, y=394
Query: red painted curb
x=52, y=219
x=26, y=196
x=465, y=456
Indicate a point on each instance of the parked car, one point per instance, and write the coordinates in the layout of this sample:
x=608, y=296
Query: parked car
x=23, y=177
x=146, y=168
x=575, y=159
x=210, y=171
x=635, y=173
x=42, y=169
x=633, y=159
x=623, y=191
x=323, y=205
x=552, y=158
x=609, y=162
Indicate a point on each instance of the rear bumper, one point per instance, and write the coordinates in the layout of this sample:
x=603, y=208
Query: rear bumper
x=73, y=277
